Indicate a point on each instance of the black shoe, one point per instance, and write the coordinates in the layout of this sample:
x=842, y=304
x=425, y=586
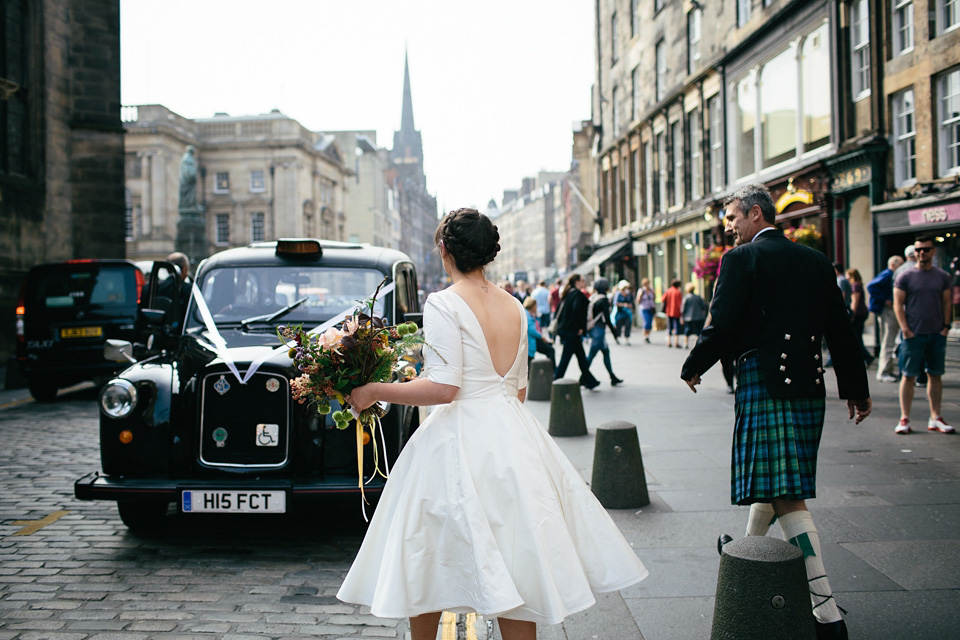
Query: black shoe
x=832, y=630
x=614, y=381
x=590, y=385
x=722, y=540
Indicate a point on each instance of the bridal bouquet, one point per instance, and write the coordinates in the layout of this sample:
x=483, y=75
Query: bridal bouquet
x=359, y=350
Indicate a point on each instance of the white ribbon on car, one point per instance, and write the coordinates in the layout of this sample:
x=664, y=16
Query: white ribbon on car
x=220, y=345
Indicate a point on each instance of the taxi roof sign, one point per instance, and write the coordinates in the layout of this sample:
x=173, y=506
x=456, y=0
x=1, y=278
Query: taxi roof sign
x=299, y=247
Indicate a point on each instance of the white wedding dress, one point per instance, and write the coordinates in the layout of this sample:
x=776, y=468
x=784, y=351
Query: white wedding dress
x=482, y=512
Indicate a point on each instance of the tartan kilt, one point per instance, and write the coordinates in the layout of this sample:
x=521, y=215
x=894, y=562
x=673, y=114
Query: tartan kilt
x=775, y=441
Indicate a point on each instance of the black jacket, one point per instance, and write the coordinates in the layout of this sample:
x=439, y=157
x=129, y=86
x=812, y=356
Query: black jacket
x=573, y=314
x=781, y=299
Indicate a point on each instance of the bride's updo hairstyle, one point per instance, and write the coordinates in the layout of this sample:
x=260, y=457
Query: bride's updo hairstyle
x=469, y=237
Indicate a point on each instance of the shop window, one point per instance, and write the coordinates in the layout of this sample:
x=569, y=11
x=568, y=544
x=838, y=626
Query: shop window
x=745, y=110
x=902, y=26
x=948, y=91
x=860, y=46
x=779, y=94
x=904, y=138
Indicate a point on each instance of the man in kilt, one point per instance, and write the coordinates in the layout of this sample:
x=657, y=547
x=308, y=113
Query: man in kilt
x=774, y=302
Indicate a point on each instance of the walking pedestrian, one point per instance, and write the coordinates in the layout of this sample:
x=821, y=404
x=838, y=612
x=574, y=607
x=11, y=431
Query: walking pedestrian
x=921, y=301
x=542, y=295
x=647, y=304
x=881, y=304
x=623, y=302
x=858, y=310
x=571, y=328
x=673, y=307
x=694, y=312
x=774, y=331
x=598, y=321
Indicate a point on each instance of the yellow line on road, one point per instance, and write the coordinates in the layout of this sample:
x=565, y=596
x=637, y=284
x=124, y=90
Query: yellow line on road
x=32, y=526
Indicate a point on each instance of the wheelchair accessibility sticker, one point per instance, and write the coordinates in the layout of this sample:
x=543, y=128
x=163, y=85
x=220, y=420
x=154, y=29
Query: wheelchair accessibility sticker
x=268, y=435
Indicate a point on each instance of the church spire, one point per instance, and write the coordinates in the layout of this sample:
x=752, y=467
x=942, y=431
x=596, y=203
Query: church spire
x=406, y=120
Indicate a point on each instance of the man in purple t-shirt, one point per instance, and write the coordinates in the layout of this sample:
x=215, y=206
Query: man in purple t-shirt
x=921, y=300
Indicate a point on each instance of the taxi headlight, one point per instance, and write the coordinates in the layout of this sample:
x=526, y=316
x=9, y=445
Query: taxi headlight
x=118, y=398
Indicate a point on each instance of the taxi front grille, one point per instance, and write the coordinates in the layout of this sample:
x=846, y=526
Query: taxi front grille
x=245, y=425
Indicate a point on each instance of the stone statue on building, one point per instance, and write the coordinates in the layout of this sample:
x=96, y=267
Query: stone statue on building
x=191, y=227
x=188, y=181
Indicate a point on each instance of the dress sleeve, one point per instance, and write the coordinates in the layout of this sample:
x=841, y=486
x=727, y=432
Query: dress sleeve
x=443, y=353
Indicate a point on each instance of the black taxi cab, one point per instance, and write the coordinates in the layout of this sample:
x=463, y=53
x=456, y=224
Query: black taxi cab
x=65, y=313
x=209, y=425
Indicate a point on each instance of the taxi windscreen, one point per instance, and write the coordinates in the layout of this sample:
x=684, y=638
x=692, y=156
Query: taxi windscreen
x=235, y=294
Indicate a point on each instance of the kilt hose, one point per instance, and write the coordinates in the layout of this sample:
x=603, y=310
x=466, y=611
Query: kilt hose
x=775, y=441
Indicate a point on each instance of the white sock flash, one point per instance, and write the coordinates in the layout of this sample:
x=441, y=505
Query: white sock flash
x=760, y=519
x=798, y=530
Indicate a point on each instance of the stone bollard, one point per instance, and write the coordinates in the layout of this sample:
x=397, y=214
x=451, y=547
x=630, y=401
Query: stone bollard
x=618, y=480
x=541, y=379
x=762, y=592
x=566, y=409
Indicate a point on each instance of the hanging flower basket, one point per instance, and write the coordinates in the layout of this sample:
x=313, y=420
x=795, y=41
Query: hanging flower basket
x=807, y=235
x=708, y=264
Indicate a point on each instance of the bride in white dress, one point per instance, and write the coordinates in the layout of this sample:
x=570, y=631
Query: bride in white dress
x=482, y=512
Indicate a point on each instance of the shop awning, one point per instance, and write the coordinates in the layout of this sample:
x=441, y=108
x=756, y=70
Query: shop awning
x=602, y=255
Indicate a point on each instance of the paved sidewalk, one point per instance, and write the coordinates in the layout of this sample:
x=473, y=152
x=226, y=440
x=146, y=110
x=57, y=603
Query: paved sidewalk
x=888, y=506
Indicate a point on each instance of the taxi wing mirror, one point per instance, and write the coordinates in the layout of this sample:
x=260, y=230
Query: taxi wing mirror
x=118, y=351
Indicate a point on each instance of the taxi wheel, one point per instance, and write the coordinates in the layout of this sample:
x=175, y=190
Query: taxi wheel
x=43, y=391
x=142, y=517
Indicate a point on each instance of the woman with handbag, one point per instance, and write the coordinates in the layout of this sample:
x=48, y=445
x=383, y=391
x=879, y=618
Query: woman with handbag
x=571, y=328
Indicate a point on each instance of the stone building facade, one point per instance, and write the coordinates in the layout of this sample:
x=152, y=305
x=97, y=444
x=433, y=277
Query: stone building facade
x=61, y=140
x=841, y=107
x=260, y=178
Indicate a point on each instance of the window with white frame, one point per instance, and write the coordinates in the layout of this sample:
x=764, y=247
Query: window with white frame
x=694, y=19
x=676, y=132
x=715, y=137
x=662, y=168
x=948, y=93
x=256, y=181
x=777, y=109
x=648, y=170
x=902, y=26
x=815, y=105
x=696, y=155
x=635, y=192
x=657, y=5
x=615, y=106
x=779, y=93
x=904, y=138
x=860, y=45
x=661, y=61
x=635, y=94
x=743, y=12
x=138, y=221
x=128, y=215
x=614, y=53
x=948, y=15
x=223, y=228
x=256, y=226
x=221, y=182
x=634, y=18
x=745, y=119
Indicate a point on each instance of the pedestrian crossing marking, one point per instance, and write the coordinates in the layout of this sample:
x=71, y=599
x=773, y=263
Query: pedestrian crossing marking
x=32, y=526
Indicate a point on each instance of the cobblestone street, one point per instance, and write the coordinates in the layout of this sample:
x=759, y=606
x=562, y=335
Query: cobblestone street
x=70, y=570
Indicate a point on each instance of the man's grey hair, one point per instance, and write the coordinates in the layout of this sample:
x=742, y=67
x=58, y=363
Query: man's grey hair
x=894, y=261
x=753, y=194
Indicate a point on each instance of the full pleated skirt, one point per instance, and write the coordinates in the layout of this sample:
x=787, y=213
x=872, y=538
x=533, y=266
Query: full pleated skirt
x=483, y=513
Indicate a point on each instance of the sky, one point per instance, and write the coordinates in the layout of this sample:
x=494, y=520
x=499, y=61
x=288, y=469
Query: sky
x=497, y=85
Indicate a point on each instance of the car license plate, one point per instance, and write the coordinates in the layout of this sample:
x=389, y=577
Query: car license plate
x=81, y=332
x=206, y=501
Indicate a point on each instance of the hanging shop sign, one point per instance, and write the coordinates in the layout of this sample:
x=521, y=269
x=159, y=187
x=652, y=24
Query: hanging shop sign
x=790, y=196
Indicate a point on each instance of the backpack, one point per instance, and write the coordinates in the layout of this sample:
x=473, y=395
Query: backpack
x=592, y=315
x=877, y=288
